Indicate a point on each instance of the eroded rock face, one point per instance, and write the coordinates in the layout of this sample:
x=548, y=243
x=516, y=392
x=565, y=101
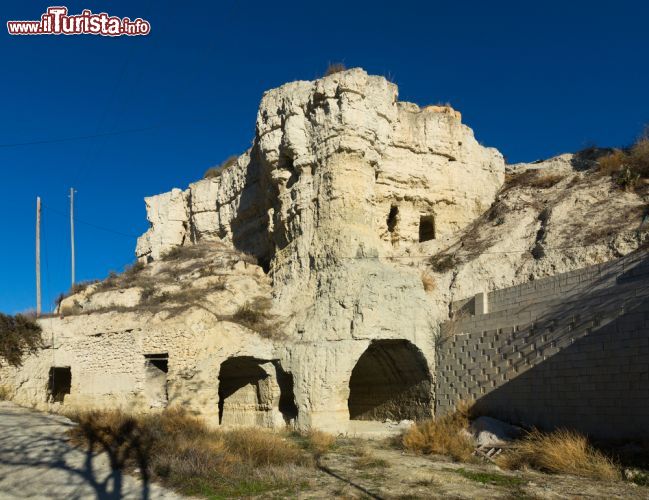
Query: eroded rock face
x=340, y=177
x=369, y=217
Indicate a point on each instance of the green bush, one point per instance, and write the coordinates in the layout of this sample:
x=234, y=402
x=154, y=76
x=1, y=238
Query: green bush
x=19, y=335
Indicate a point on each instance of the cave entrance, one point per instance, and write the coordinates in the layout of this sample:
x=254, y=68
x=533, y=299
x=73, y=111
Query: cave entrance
x=59, y=383
x=156, y=367
x=390, y=381
x=254, y=392
x=426, y=228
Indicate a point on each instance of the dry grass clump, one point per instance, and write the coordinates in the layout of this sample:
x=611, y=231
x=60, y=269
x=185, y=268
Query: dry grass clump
x=559, y=452
x=255, y=315
x=318, y=442
x=443, y=262
x=216, y=171
x=442, y=436
x=365, y=459
x=19, y=335
x=179, y=451
x=428, y=282
x=533, y=179
x=334, y=68
x=627, y=167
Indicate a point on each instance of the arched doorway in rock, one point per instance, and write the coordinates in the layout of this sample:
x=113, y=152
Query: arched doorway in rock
x=255, y=392
x=391, y=381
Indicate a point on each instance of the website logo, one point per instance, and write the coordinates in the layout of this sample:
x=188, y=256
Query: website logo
x=56, y=21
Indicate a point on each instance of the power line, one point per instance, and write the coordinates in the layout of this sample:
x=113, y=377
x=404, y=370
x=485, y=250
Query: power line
x=90, y=224
x=82, y=137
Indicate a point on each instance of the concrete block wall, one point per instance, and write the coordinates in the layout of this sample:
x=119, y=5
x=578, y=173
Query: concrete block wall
x=571, y=350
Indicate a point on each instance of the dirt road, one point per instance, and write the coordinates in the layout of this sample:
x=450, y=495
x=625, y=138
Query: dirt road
x=37, y=462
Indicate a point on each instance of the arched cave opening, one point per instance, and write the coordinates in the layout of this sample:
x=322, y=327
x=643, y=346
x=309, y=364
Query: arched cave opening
x=390, y=381
x=255, y=392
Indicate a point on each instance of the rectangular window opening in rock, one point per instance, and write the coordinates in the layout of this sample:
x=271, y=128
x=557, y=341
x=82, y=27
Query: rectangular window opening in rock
x=59, y=383
x=426, y=228
x=392, y=219
x=156, y=367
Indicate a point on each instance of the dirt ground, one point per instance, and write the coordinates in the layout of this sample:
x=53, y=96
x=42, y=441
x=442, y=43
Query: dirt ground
x=370, y=469
x=36, y=461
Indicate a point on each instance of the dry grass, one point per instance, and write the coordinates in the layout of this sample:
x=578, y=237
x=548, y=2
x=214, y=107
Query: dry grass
x=335, y=68
x=442, y=436
x=19, y=335
x=627, y=167
x=365, y=459
x=428, y=282
x=532, y=178
x=216, y=171
x=319, y=442
x=559, y=452
x=443, y=262
x=179, y=451
x=255, y=315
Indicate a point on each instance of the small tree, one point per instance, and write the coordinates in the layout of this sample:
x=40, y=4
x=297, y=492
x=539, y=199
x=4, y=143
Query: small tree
x=19, y=335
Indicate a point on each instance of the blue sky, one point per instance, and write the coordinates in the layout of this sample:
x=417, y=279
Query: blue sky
x=533, y=79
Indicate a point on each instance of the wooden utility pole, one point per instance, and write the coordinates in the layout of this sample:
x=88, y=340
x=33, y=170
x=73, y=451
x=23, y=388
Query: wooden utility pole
x=72, y=231
x=38, y=256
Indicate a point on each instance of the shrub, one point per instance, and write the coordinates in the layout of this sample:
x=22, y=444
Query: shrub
x=19, y=335
x=319, y=442
x=533, y=179
x=255, y=316
x=443, y=436
x=334, y=68
x=559, y=452
x=181, y=452
x=186, y=252
x=627, y=166
x=546, y=181
x=216, y=171
x=443, y=262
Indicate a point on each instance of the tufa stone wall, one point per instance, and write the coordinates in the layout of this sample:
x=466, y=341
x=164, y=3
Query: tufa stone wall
x=570, y=350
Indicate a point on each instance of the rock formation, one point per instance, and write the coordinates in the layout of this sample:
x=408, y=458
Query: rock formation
x=368, y=217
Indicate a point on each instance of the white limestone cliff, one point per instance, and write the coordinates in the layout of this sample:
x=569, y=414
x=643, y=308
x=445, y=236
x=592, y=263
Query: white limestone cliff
x=368, y=217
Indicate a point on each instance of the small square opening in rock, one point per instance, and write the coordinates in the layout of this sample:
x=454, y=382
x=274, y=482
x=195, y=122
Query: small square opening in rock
x=426, y=228
x=59, y=383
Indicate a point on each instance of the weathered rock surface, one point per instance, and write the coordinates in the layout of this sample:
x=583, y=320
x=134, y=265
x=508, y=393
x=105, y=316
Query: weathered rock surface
x=487, y=431
x=368, y=217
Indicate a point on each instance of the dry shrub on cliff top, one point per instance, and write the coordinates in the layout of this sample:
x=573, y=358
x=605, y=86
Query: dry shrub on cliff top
x=627, y=167
x=179, y=451
x=559, y=452
x=533, y=179
x=444, y=435
x=335, y=68
x=213, y=172
x=19, y=335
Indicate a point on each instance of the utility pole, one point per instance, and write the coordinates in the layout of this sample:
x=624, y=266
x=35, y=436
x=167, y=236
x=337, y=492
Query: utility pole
x=72, y=231
x=38, y=256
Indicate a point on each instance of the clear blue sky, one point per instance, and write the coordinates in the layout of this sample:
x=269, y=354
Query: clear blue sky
x=531, y=78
